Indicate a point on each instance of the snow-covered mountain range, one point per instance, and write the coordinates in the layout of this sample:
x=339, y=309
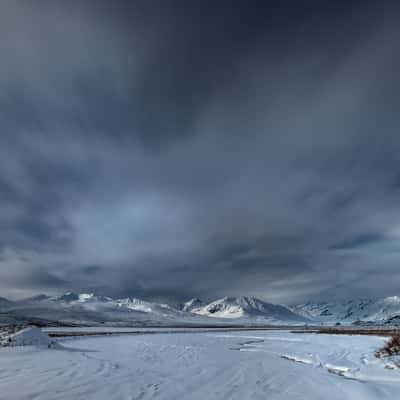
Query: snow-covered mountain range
x=360, y=311
x=90, y=309
x=83, y=308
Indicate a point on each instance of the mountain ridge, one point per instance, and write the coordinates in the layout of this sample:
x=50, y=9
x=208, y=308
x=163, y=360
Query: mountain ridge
x=89, y=308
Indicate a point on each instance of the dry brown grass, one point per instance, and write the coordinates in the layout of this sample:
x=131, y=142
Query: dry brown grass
x=375, y=331
x=391, y=347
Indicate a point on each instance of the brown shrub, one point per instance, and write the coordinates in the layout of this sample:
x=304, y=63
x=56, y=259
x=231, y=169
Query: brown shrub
x=391, y=347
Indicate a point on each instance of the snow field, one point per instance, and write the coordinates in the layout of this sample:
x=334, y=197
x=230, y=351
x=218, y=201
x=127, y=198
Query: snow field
x=198, y=366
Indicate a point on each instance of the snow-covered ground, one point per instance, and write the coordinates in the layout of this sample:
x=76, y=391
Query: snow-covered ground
x=230, y=365
x=31, y=336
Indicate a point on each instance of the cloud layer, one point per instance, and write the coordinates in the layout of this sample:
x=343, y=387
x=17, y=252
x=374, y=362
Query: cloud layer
x=172, y=150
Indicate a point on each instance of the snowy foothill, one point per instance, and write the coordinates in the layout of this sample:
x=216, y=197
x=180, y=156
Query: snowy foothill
x=202, y=365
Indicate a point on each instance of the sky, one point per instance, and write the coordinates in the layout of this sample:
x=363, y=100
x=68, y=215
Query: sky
x=172, y=149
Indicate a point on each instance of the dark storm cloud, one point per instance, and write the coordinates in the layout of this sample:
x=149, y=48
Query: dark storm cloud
x=358, y=241
x=169, y=149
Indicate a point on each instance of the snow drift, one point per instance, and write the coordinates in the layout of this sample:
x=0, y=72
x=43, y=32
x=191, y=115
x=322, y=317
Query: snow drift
x=32, y=336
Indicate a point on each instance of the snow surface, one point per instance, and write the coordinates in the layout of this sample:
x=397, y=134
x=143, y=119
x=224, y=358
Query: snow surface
x=196, y=366
x=32, y=336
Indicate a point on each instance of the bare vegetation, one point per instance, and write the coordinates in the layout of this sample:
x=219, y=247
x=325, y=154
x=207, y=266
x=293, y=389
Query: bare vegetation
x=391, y=347
x=6, y=331
x=371, y=331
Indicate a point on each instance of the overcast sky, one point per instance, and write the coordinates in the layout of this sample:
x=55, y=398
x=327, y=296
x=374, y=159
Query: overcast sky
x=171, y=149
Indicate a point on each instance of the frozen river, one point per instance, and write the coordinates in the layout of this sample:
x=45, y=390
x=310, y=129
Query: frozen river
x=219, y=365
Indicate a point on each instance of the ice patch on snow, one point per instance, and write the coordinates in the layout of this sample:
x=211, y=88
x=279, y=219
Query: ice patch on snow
x=391, y=365
x=345, y=372
x=296, y=359
x=336, y=369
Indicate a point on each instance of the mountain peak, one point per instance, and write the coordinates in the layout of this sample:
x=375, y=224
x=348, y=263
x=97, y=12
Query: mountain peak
x=192, y=304
x=67, y=297
x=246, y=307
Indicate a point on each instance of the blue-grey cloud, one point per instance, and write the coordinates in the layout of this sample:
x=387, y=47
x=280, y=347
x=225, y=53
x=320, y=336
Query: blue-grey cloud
x=169, y=149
